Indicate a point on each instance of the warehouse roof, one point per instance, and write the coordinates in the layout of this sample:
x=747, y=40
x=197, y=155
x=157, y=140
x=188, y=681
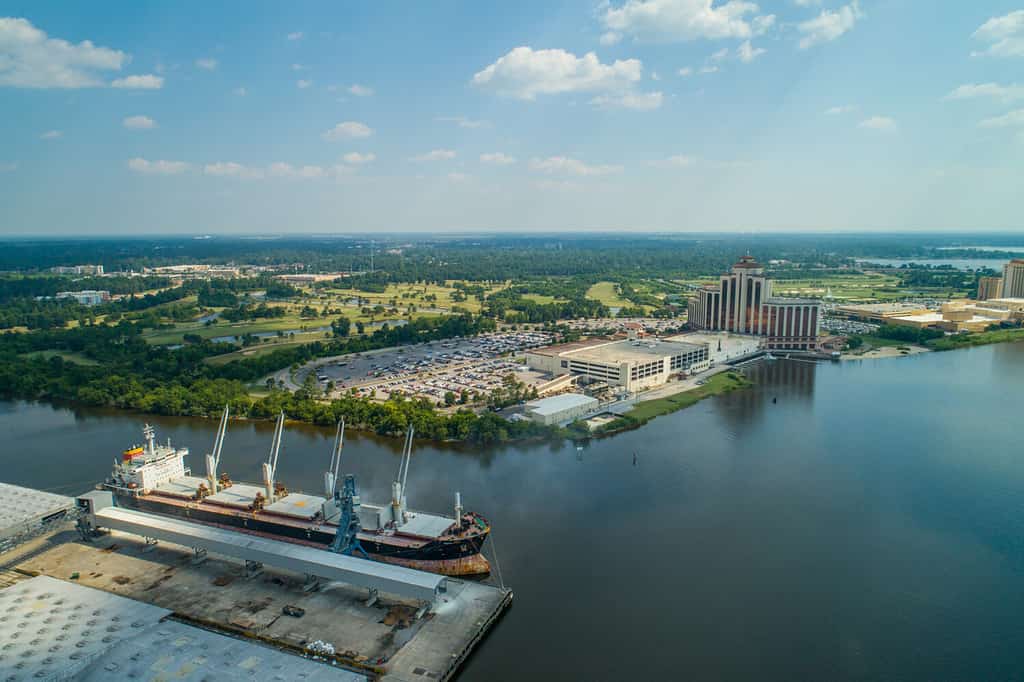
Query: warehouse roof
x=558, y=403
x=23, y=507
x=642, y=350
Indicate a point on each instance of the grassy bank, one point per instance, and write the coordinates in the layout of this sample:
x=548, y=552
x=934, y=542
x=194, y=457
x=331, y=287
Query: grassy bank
x=977, y=339
x=718, y=384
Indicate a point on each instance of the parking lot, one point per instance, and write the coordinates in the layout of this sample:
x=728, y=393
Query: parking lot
x=428, y=369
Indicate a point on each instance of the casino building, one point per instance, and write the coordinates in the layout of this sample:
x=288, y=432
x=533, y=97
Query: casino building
x=743, y=303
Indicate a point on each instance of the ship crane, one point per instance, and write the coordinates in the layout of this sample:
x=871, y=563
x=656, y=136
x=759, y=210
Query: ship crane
x=398, y=500
x=270, y=466
x=213, y=458
x=345, y=501
x=331, y=475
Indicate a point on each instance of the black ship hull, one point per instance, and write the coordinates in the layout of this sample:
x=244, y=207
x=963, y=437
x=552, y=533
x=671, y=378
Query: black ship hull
x=432, y=554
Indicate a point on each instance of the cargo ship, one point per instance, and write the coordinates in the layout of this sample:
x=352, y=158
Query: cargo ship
x=153, y=478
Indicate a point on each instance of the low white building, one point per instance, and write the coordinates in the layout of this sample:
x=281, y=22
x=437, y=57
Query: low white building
x=633, y=365
x=561, y=408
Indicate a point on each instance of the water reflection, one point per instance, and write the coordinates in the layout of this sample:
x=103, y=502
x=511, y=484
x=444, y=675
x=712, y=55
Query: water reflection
x=867, y=525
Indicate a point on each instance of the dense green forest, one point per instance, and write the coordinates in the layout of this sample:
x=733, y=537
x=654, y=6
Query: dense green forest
x=124, y=371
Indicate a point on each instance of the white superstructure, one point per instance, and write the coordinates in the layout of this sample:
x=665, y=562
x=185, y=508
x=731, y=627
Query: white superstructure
x=144, y=468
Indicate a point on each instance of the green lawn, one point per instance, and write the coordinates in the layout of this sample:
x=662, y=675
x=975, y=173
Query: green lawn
x=977, y=339
x=720, y=383
x=607, y=293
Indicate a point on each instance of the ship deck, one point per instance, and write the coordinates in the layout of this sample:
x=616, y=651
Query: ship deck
x=298, y=505
x=239, y=495
x=185, y=487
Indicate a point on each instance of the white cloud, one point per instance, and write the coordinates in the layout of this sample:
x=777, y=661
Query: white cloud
x=1011, y=120
x=360, y=90
x=558, y=185
x=524, y=73
x=806, y=3
x=676, y=161
x=297, y=67
x=462, y=121
x=685, y=71
x=747, y=53
x=286, y=170
x=842, y=109
x=348, y=130
x=139, y=123
x=8, y=166
x=636, y=101
x=278, y=169
x=1007, y=93
x=610, y=38
x=1004, y=34
x=497, y=158
x=302, y=84
x=159, y=167
x=882, y=124
x=458, y=177
x=356, y=157
x=240, y=91
x=31, y=59
x=655, y=76
x=719, y=55
x=685, y=20
x=829, y=25
x=709, y=69
x=569, y=166
x=51, y=135
x=230, y=169
x=295, y=35
x=144, y=82
x=207, y=63
x=435, y=155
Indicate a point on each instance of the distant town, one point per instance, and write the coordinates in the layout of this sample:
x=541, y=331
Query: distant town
x=443, y=327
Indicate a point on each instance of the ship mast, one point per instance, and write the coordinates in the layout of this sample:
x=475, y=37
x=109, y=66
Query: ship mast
x=270, y=466
x=213, y=459
x=150, y=436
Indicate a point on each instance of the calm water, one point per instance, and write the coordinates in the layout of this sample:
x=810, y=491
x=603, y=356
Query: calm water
x=868, y=526
x=958, y=263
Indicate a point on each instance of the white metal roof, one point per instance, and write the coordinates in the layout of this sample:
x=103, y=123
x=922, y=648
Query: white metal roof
x=56, y=630
x=557, y=403
x=24, y=506
x=397, y=580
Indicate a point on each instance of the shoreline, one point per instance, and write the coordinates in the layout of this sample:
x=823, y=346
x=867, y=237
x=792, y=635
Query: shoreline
x=885, y=352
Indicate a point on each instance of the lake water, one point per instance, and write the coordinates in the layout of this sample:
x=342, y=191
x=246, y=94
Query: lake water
x=958, y=263
x=867, y=526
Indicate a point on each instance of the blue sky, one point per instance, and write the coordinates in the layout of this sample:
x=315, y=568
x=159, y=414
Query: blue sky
x=630, y=115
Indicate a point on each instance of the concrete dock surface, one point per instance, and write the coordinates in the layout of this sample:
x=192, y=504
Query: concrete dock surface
x=385, y=640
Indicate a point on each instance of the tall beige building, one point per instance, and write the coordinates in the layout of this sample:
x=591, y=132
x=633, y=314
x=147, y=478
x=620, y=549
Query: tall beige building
x=990, y=287
x=1013, y=279
x=743, y=303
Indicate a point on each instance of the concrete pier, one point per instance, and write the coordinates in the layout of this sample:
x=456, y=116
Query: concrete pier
x=384, y=639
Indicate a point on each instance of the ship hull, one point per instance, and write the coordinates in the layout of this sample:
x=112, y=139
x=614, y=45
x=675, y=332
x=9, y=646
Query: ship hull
x=450, y=556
